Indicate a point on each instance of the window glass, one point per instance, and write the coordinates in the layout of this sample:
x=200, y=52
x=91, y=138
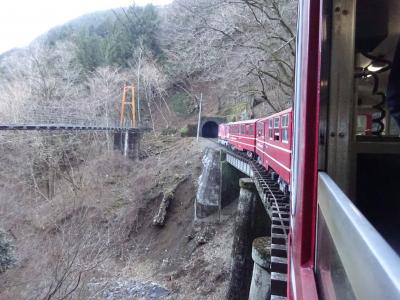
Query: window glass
x=251, y=130
x=242, y=129
x=285, y=135
x=276, y=122
x=285, y=130
x=270, y=129
x=285, y=121
x=276, y=134
x=276, y=129
x=260, y=128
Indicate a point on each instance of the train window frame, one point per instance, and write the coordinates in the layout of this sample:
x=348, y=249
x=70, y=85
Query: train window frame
x=260, y=128
x=285, y=128
x=276, y=129
x=270, y=129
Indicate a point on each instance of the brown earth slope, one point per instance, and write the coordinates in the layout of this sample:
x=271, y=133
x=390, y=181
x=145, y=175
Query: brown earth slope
x=99, y=242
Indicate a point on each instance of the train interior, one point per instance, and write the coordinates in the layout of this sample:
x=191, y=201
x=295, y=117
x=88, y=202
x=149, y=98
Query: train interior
x=360, y=120
x=364, y=79
x=377, y=95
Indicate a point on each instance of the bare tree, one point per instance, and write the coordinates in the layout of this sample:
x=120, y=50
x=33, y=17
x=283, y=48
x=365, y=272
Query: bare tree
x=246, y=46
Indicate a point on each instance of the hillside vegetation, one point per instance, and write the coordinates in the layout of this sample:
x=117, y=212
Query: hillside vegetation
x=76, y=215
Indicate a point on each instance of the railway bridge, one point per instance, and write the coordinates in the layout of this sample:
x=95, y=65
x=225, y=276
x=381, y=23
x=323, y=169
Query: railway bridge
x=276, y=204
x=263, y=210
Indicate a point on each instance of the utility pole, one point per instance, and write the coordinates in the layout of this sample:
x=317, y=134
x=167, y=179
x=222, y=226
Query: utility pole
x=198, y=123
x=138, y=86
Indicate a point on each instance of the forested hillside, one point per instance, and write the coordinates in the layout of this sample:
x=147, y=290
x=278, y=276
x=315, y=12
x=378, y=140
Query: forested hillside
x=240, y=54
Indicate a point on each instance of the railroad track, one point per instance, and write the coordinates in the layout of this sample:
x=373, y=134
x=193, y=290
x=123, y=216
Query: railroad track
x=277, y=205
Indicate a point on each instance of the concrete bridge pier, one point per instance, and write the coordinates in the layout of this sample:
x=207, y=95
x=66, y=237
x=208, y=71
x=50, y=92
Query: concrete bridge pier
x=218, y=184
x=128, y=142
x=242, y=265
x=208, y=191
x=260, y=288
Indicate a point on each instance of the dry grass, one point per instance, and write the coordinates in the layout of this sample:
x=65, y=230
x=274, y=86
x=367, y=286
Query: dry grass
x=97, y=225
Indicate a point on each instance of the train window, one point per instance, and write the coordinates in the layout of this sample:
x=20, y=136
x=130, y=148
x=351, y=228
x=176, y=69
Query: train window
x=251, y=130
x=276, y=129
x=242, y=129
x=270, y=129
x=276, y=122
x=285, y=129
x=259, y=129
x=247, y=130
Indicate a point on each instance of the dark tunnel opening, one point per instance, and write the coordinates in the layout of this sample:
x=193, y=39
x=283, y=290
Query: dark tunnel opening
x=209, y=130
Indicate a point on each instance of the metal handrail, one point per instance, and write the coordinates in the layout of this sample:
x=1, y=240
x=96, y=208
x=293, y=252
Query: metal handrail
x=371, y=265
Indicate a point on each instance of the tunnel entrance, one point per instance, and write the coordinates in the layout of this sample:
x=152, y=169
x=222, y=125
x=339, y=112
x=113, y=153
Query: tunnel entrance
x=209, y=129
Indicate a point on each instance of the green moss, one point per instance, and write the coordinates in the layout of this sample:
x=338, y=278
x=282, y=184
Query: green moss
x=168, y=131
x=188, y=130
x=184, y=131
x=234, y=112
x=117, y=204
x=181, y=104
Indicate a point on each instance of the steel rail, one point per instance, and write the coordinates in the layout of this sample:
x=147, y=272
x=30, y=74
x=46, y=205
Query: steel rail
x=276, y=209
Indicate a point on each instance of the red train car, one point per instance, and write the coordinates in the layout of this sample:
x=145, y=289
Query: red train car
x=274, y=144
x=242, y=136
x=223, y=134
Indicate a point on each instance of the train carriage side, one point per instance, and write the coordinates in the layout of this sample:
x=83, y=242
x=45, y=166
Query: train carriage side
x=242, y=136
x=223, y=134
x=274, y=142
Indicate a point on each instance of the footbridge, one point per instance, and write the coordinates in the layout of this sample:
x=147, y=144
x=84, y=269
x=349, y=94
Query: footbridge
x=127, y=132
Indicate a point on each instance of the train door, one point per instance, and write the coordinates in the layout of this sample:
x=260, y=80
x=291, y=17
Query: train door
x=345, y=202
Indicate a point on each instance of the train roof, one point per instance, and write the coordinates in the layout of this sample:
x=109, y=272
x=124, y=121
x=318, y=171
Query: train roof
x=243, y=122
x=276, y=114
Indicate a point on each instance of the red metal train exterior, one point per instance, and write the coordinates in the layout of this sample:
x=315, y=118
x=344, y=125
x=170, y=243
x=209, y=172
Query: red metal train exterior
x=239, y=135
x=267, y=139
x=274, y=141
